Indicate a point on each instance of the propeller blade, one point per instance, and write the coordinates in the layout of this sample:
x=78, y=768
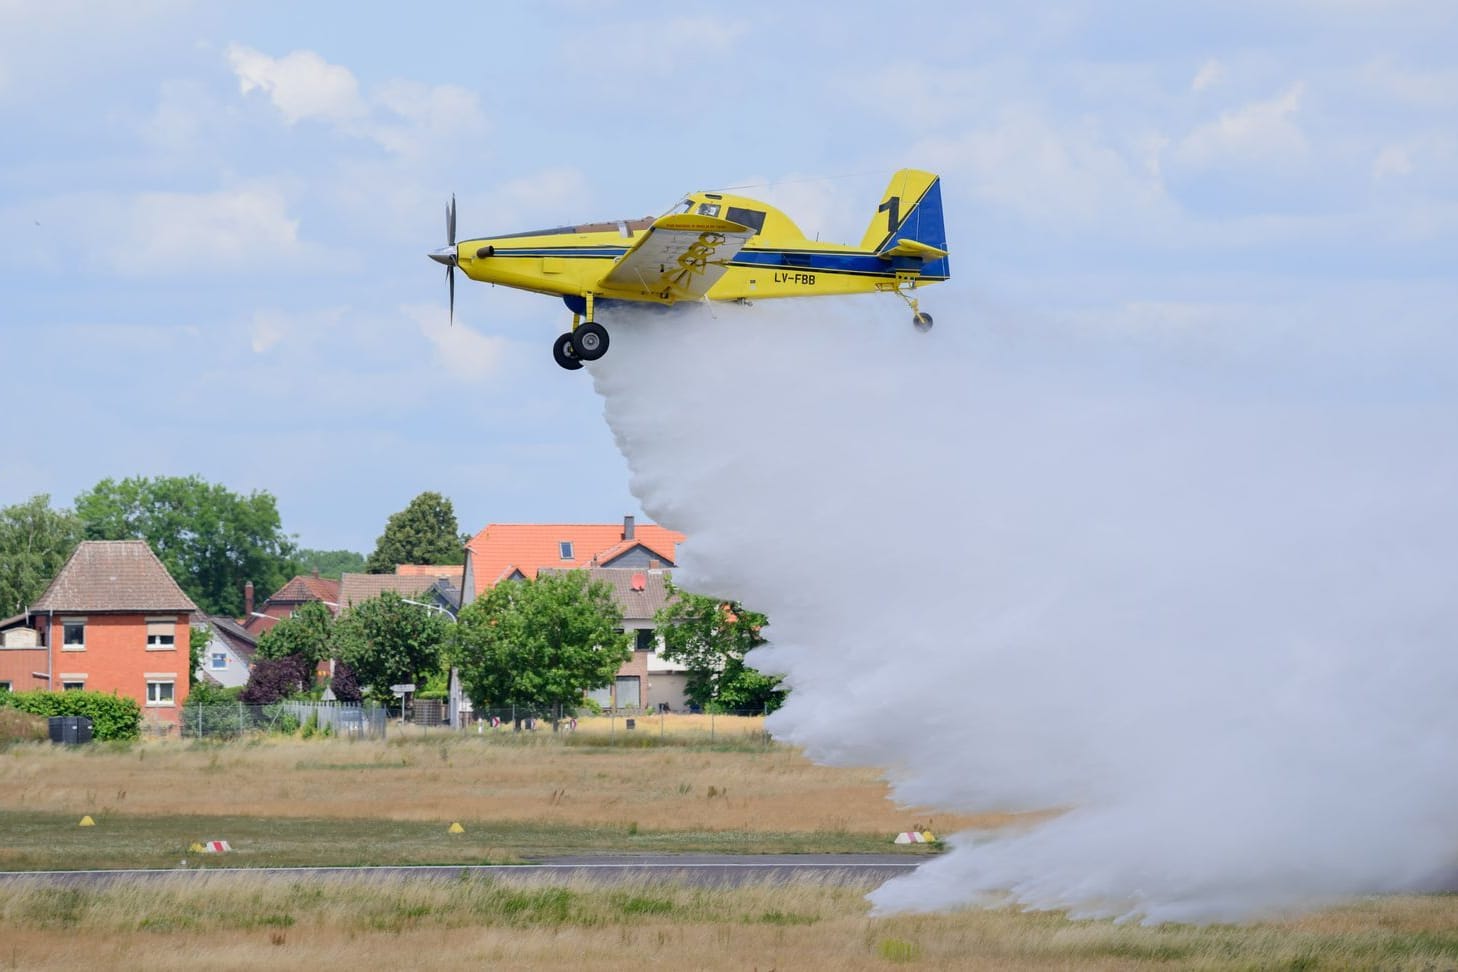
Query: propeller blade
x=451, y=285
x=451, y=222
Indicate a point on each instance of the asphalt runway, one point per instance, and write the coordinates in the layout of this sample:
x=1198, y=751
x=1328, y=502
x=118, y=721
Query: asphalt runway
x=707, y=870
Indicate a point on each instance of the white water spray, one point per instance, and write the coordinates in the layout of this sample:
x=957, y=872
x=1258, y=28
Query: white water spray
x=1207, y=612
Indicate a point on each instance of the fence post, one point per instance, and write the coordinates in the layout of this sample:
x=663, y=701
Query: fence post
x=711, y=725
x=199, y=722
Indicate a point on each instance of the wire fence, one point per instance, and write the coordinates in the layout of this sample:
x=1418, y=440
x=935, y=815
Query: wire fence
x=571, y=726
x=309, y=718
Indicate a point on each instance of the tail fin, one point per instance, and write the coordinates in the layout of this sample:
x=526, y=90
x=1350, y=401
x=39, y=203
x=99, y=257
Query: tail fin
x=911, y=209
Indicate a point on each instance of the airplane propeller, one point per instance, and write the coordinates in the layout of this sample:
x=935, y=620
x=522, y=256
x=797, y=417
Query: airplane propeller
x=447, y=255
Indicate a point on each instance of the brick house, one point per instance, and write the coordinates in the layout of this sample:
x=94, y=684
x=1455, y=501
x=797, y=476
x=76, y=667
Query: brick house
x=283, y=602
x=112, y=620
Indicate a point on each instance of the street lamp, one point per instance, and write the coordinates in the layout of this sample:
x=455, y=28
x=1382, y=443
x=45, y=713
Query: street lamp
x=453, y=711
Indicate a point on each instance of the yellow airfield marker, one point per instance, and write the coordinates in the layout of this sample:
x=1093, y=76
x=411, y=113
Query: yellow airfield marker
x=196, y=848
x=456, y=828
x=86, y=821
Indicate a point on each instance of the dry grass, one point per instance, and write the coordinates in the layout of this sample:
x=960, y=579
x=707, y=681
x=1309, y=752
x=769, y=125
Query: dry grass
x=253, y=922
x=444, y=778
x=17, y=726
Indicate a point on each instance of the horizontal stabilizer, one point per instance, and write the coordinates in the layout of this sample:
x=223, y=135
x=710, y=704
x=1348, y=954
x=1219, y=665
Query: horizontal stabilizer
x=911, y=248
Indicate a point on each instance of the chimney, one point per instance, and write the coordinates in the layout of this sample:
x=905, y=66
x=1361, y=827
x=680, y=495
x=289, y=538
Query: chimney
x=247, y=600
x=316, y=573
x=628, y=527
x=654, y=565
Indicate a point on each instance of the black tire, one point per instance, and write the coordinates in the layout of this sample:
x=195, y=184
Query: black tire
x=562, y=351
x=590, y=341
x=922, y=322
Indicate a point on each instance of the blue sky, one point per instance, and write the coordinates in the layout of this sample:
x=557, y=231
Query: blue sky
x=214, y=217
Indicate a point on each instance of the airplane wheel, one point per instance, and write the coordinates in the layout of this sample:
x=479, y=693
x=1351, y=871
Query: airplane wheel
x=590, y=341
x=563, y=352
x=922, y=322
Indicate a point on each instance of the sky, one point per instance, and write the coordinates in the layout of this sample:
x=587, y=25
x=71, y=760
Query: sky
x=214, y=216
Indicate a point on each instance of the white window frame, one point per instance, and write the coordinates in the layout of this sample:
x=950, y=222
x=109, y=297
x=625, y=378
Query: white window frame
x=70, y=622
x=72, y=678
x=171, y=635
x=215, y=657
x=159, y=679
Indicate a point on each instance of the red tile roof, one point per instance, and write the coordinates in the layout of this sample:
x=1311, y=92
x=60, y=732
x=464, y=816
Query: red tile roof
x=113, y=575
x=306, y=587
x=528, y=547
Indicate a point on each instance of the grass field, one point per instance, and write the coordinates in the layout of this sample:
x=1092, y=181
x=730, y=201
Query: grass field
x=522, y=796
x=200, y=922
x=290, y=801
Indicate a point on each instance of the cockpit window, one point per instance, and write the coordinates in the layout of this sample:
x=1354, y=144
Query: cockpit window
x=753, y=218
x=685, y=206
x=708, y=209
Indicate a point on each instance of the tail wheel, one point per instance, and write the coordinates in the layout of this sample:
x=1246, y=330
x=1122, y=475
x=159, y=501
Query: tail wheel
x=563, y=352
x=590, y=341
x=922, y=322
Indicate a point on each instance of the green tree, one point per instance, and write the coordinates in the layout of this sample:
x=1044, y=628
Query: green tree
x=538, y=644
x=330, y=563
x=210, y=539
x=307, y=633
x=387, y=640
x=710, y=636
x=35, y=542
x=425, y=532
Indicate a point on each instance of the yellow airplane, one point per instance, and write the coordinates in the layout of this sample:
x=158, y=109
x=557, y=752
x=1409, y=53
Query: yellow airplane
x=711, y=246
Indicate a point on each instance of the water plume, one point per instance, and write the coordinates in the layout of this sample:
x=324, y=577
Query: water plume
x=1201, y=606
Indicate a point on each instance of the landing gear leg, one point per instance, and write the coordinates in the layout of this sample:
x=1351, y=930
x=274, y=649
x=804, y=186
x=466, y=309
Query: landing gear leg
x=921, y=321
x=590, y=339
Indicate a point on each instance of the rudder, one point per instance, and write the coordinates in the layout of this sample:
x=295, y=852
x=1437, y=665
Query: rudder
x=911, y=208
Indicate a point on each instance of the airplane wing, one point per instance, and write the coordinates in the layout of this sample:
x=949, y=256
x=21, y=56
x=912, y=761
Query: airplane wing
x=679, y=258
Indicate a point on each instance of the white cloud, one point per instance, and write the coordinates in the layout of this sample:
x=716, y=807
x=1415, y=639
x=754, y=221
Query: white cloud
x=1209, y=75
x=1260, y=132
x=406, y=118
x=462, y=352
x=300, y=84
x=164, y=232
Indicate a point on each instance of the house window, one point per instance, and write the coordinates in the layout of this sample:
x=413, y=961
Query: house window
x=161, y=634
x=646, y=641
x=627, y=692
x=73, y=686
x=564, y=548
x=219, y=659
x=4, y=686
x=159, y=692
x=73, y=634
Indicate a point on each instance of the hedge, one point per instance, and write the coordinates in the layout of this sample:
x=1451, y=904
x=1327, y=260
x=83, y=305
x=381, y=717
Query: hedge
x=112, y=716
